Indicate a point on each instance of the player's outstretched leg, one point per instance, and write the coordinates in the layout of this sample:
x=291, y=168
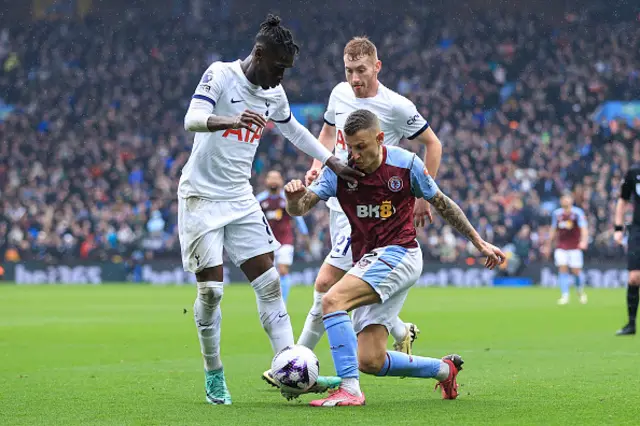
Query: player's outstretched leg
x=444, y=370
x=404, y=334
x=207, y=316
x=374, y=359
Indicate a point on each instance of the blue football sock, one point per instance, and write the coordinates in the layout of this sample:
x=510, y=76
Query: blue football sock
x=564, y=281
x=343, y=343
x=401, y=364
x=285, y=285
x=580, y=282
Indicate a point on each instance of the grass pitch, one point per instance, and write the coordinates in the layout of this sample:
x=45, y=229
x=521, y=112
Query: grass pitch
x=128, y=355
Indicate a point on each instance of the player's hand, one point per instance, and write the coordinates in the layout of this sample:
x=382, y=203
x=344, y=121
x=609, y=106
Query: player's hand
x=294, y=190
x=343, y=170
x=421, y=212
x=583, y=245
x=495, y=256
x=618, y=236
x=311, y=175
x=250, y=120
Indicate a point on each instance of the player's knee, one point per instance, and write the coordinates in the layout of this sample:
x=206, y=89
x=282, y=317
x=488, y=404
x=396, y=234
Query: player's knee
x=324, y=282
x=331, y=303
x=370, y=362
x=267, y=286
x=322, y=286
x=210, y=295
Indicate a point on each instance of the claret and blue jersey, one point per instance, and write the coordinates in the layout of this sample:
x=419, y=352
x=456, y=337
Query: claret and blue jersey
x=380, y=206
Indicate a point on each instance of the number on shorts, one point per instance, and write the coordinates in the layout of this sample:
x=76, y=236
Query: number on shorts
x=342, y=245
x=266, y=226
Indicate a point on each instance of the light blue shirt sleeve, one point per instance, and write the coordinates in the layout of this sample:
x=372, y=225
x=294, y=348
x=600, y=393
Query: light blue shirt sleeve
x=582, y=219
x=302, y=226
x=262, y=196
x=422, y=184
x=326, y=186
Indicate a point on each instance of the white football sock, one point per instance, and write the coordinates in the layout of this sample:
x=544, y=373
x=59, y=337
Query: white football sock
x=398, y=330
x=313, y=326
x=207, y=316
x=351, y=385
x=443, y=372
x=272, y=310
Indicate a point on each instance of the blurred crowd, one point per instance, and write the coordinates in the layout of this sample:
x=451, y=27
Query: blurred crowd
x=91, y=155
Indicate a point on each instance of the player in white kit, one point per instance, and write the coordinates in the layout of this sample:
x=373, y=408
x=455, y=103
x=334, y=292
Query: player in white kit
x=399, y=118
x=217, y=209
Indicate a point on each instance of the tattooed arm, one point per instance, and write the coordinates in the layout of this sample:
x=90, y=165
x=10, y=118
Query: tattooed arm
x=423, y=185
x=454, y=215
x=299, y=199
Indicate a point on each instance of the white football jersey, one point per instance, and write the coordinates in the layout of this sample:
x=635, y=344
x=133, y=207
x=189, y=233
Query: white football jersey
x=219, y=167
x=399, y=118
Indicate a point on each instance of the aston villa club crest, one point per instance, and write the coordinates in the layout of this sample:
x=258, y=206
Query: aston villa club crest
x=395, y=184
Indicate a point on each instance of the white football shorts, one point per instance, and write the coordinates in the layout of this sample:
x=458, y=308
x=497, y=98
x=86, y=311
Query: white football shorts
x=284, y=255
x=571, y=258
x=391, y=271
x=205, y=227
x=340, y=230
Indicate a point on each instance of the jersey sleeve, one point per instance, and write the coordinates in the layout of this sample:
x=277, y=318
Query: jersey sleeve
x=330, y=113
x=211, y=84
x=422, y=184
x=626, y=189
x=262, y=196
x=582, y=218
x=326, y=186
x=282, y=114
x=409, y=121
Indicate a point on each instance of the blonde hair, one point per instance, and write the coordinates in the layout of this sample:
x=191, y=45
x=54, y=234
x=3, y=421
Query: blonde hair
x=359, y=47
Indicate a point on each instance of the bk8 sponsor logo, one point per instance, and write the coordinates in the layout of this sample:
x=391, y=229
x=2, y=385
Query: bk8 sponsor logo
x=381, y=211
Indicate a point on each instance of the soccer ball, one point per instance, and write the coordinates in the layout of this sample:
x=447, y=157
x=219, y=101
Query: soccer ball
x=295, y=368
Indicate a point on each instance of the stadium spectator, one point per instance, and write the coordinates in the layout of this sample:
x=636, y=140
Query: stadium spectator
x=93, y=149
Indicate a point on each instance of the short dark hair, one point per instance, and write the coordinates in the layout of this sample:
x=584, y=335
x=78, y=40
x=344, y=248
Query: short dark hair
x=360, y=119
x=271, y=32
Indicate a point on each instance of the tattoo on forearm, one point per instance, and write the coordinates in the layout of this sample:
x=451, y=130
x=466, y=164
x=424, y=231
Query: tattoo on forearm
x=302, y=206
x=453, y=214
